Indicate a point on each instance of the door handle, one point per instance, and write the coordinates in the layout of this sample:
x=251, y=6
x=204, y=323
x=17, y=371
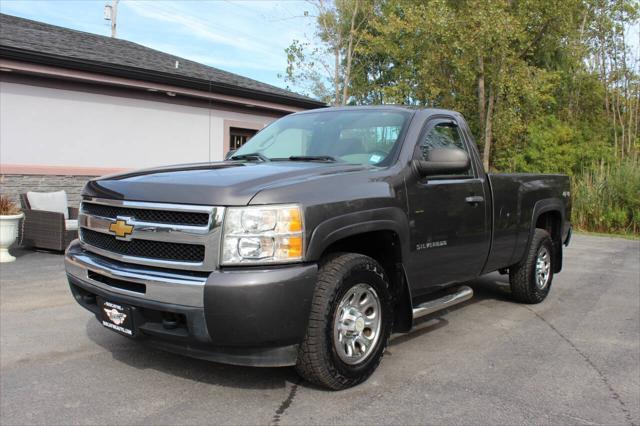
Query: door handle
x=474, y=199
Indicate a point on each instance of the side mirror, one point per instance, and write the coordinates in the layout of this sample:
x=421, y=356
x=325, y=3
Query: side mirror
x=230, y=154
x=443, y=161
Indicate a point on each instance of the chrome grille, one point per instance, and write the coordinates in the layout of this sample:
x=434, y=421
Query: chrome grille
x=178, y=252
x=146, y=215
x=176, y=236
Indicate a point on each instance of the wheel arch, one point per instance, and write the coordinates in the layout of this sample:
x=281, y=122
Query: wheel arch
x=549, y=214
x=381, y=234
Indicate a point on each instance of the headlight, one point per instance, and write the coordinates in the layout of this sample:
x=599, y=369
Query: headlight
x=262, y=234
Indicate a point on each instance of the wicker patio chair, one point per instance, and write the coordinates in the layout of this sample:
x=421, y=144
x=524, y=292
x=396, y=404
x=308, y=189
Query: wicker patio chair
x=48, y=229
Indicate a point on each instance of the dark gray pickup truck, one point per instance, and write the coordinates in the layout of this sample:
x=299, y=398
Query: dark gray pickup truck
x=317, y=239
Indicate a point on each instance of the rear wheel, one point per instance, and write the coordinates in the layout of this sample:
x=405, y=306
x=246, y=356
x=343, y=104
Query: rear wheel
x=531, y=279
x=349, y=324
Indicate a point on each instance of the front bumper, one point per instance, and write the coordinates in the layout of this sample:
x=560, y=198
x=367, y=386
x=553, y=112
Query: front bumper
x=248, y=316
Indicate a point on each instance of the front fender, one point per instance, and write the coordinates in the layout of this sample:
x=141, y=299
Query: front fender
x=352, y=224
x=339, y=227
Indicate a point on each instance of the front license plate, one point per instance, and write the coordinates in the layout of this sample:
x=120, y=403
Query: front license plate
x=117, y=317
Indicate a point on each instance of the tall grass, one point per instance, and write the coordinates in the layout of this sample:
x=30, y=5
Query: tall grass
x=607, y=199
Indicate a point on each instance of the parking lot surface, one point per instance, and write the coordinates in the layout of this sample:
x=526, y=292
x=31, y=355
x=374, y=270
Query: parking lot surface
x=574, y=359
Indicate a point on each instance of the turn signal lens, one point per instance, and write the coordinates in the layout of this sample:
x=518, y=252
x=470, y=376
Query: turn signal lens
x=290, y=247
x=295, y=222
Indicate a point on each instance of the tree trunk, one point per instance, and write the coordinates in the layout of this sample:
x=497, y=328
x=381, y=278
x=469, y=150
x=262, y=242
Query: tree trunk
x=603, y=73
x=347, y=71
x=488, y=132
x=635, y=121
x=481, y=98
x=615, y=131
x=574, y=97
x=336, y=75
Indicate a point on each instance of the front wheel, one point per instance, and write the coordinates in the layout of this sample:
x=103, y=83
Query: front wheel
x=349, y=324
x=531, y=279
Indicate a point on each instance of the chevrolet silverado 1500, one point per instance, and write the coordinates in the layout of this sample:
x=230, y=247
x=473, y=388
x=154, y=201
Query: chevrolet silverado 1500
x=322, y=235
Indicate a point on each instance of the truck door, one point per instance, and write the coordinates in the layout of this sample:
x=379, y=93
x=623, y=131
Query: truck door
x=449, y=222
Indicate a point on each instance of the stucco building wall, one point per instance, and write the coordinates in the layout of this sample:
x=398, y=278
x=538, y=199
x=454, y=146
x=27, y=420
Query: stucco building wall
x=58, y=138
x=56, y=127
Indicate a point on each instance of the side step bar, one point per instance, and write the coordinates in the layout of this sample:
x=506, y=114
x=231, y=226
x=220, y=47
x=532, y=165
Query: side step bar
x=462, y=294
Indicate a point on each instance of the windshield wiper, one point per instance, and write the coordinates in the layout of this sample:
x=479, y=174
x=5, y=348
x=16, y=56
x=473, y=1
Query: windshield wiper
x=322, y=158
x=250, y=157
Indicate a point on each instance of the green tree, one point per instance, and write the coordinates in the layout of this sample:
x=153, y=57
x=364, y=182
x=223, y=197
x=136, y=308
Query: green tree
x=324, y=65
x=480, y=57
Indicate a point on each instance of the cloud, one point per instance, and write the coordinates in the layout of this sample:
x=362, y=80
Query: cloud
x=214, y=60
x=167, y=12
x=214, y=25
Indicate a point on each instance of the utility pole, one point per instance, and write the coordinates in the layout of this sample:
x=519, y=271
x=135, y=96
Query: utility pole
x=111, y=14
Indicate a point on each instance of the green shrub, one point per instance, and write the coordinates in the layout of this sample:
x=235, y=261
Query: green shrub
x=556, y=146
x=607, y=199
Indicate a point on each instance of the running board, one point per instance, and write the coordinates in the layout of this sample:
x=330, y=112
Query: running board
x=462, y=294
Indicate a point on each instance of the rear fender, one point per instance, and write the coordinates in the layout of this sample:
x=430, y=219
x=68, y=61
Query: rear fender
x=544, y=206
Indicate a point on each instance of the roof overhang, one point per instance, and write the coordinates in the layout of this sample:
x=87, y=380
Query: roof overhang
x=41, y=64
x=27, y=68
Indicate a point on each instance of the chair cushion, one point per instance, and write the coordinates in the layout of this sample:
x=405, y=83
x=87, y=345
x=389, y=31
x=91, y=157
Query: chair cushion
x=71, y=224
x=49, y=201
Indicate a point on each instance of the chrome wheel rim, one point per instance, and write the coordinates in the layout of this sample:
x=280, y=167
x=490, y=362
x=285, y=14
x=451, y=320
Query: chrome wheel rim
x=356, y=324
x=543, y=268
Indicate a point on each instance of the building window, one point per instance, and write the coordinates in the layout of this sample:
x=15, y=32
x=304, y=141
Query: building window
x=239, y=137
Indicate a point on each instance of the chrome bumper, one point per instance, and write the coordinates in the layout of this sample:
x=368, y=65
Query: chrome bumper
x=185, y=289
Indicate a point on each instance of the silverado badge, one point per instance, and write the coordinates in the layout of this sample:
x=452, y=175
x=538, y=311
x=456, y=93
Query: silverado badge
x=121, y=227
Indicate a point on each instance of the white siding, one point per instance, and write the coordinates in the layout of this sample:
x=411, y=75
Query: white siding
x=53, y=127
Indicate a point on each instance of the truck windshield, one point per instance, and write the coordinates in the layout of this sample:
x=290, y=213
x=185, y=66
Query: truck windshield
x=357, y=137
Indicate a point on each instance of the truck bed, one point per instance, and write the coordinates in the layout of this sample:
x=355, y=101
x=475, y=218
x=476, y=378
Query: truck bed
x=517, y=198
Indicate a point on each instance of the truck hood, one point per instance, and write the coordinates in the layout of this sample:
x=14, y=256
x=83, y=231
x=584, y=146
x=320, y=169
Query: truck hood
x=223, y=183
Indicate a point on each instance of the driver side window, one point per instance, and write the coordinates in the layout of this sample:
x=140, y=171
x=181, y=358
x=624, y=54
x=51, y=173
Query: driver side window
x=443, y=135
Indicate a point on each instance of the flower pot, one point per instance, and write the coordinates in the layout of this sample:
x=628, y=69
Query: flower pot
x=8, y=234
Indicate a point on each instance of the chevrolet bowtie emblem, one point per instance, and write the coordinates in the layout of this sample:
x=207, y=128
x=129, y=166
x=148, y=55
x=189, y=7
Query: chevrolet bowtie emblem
x=121, y=228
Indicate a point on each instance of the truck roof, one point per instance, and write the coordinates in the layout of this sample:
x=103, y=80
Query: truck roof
x=412, y=108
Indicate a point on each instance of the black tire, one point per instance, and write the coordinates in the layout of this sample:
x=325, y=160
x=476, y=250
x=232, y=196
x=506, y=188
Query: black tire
x=318, y=361
x=523, y=277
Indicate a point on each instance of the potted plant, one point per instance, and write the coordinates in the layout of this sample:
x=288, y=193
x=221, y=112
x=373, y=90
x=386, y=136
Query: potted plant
x=10, y=216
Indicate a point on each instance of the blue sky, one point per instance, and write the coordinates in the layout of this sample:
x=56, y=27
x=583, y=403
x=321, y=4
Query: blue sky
x=245, y=37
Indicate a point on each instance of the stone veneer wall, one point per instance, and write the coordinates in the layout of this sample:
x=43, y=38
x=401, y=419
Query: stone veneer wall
x=14, y=185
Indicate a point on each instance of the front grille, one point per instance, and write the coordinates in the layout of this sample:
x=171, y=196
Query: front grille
x=144, y=248
x=147, y=215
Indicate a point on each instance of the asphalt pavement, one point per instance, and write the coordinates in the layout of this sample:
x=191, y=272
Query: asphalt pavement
x=574, y=359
